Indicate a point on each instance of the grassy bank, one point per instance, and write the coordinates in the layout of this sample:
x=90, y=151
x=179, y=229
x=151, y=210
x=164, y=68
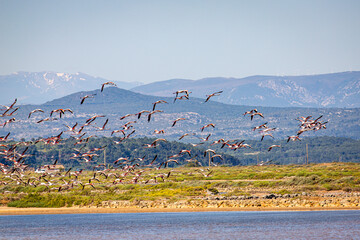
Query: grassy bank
x=182, y=184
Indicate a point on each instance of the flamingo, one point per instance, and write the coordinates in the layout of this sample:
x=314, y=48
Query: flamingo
x=272, y=146
x=87, y=96
x=8, y=121
x=262, y=163
x=220, y=141
x=2, y=139
x=267, y=130
x=151, y=113
x=149, y=145
x=293, y=138
x=217, y=155
x=256, y=113
x=158, y=140
x=7, y=108
x=152, y=161
x=261, y=126
x=212, y=95
x=266, y=134
x=116, y=131
x=125, y=137
x=182, y=91
x=121, y=159
x=87, y=184
x=157, y=102
x=186, y=134
x=90, y=120
x=10, y=114
x=208, y=125
x=181, y=98
x=126, y=125
x=46, y=119
x=107, y=83
x=71, y=129
x=239, y=145
x=79, y=131
x=162, y=131
x=196, y=144
x=251, y=111
x=34, y=111
x=133, y=131
x=319, y=126
x=303, y=130
x=207, y=151
x=165, y=163
x=61, y=111
x=126, y=116
x=103, y=127
x=174, y=156
x=205, y=139
x=203, y=173
x=141, y=112
x=176, y=120
x=185, y=151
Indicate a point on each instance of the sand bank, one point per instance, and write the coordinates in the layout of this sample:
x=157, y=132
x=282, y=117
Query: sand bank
x=77, y=210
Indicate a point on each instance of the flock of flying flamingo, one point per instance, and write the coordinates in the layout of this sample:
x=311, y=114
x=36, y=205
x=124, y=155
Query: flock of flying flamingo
x=15, y=167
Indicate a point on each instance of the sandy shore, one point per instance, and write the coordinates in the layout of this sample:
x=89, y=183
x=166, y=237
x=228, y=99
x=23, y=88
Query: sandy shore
x=76, y=210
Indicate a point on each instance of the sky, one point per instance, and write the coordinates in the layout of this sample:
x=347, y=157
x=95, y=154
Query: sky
x=148, y=41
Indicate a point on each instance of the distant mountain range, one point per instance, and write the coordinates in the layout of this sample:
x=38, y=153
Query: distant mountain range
x=229, y=119
x=324, y=90
x=40, y=87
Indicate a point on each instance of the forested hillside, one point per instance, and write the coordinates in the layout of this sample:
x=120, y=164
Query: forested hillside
x=320, y=149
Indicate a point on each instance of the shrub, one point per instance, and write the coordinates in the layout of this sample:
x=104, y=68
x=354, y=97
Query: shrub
x=213, y=190
x=330, y=187
x=283, y=192
x=222, y=184
x=264, y=184
x=237, y=192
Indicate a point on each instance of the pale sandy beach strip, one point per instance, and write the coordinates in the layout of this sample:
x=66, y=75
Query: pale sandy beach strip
x=76, y=210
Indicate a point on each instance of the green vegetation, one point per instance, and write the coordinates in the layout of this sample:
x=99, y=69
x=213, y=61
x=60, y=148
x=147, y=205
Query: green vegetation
x=321, y=149
x=183, y=183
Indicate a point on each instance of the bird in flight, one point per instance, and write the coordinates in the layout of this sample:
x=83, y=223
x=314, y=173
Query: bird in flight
x=212, y=95
x=176, y=120
x=157, y=102
x=141, y=112
x=107, y=83
x=103, y=127
x=151, y=113
x=162, y=131
x=293, y=138
x=182, y=91
x=256, y=113
x=34, y=111
x=61, y=111
x=251, y=111
x=208, y=125
x=272, y=146
x=85, y=97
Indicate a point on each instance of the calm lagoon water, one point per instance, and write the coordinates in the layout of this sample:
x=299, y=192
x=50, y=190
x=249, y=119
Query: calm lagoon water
x=198, y=225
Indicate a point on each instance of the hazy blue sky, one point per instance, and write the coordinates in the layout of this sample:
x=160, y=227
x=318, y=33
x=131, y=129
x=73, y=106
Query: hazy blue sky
x=157, y=40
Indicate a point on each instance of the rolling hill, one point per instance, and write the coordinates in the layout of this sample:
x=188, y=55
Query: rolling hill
x=229, y=119
x=324, y=90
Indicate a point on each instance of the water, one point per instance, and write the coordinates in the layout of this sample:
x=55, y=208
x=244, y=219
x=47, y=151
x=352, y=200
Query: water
x=203, y=225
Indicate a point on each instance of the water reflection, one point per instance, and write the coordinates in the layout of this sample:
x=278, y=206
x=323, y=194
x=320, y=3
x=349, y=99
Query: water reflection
x=203, y=225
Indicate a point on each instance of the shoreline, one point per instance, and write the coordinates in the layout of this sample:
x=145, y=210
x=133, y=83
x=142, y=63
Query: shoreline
x=9, y=211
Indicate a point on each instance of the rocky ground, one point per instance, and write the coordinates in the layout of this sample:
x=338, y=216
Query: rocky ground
x=291, y=201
